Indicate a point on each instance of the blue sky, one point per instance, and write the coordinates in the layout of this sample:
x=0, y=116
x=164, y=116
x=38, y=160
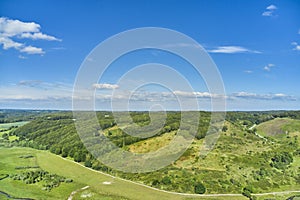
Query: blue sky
x=255, y=45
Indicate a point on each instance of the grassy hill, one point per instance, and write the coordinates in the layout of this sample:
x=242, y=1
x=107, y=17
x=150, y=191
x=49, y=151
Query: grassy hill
x=101, y=186
x=274, y=127
x=241, y=161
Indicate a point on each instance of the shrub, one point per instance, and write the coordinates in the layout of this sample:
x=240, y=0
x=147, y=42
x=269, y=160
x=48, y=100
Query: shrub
x=246, y=193
x=281, y=160
x=68, y=180
x=199, y=188
x=166, y=180
x=88, y=163
x=155, y=182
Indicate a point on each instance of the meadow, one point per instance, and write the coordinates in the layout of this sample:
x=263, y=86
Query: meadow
x=101, y=186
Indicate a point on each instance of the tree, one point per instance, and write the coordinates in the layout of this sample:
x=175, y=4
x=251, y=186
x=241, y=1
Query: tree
x=88, y=163
x=65, y=152
x=199, y=188
x=77, y=157
x=247, y=192
x=72, y=152
x=155, y=182
x=225, y=128
x=57, y=150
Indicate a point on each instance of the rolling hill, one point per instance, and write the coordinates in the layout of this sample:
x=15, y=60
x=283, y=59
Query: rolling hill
x=241, y=162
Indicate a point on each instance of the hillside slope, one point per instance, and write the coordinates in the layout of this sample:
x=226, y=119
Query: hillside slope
x=241, y=161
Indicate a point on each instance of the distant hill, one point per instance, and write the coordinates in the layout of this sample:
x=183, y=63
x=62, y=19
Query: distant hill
x=279, y=126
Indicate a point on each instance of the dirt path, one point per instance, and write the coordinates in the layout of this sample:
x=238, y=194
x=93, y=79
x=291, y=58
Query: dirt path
x=258, y=135
x=74, y=192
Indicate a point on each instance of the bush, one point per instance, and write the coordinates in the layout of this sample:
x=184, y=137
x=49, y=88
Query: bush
x=199, y=188
x=281, y=160
x=155, y=182
x=246, y=193
x=77, y=157
x=225, y=128
x=166, y=180
x=88, y=163
x=68, y=180
x=248, y=188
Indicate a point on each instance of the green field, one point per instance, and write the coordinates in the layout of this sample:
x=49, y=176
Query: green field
x=8, y=125
x=278, y=126
x=5, y=128
x=117, y=189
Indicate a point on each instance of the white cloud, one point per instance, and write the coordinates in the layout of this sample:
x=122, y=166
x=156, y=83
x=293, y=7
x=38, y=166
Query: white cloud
x=269, y=11
x=22, y=57
x=8, y=43
x=58, y=48
x=41, y=36
x=248, y=71
x=156, y=96
x=32, y=50
x=271, y=96
x=105, y=86
x=198, y=94
x=297, y=46
x=28, y=90
x=268, y=67
x=244, y=94
x=179, y=45
x=294, y=43
x=9, y=29
x=31, y=83
x=232, y=49
x=271, y=7
x=35, y=89
x=192, y=94
x=56, y=95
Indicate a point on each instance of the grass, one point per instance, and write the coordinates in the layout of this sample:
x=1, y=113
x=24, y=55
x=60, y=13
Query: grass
x=292, y=126
x=277, y=196
x=152, y=144
x=94, y=179
x=119, y=189
x=10, y=159
x=8, y=125
x=91, y=194
x=13, y=138
x=275, y=127
x=5, y=126
x=237, y=156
